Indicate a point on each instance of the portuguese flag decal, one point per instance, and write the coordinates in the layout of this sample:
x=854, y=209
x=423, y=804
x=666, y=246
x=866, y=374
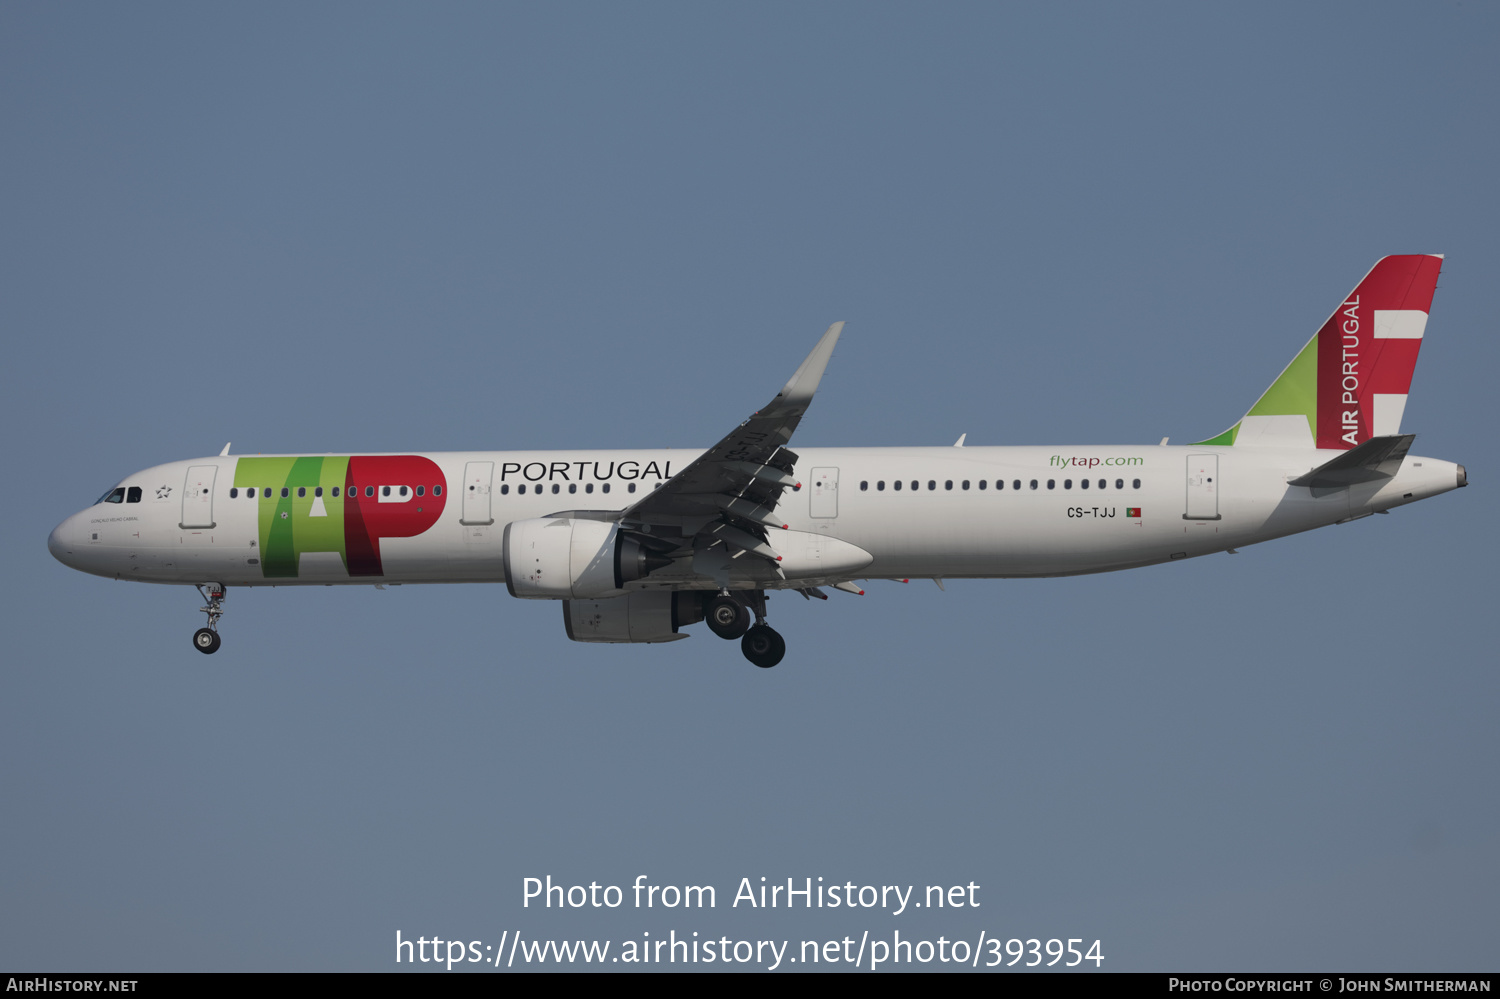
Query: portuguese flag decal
x=1132, y=511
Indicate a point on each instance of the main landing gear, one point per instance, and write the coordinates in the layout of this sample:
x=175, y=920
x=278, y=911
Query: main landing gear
x=206, y=640
x=729, y=617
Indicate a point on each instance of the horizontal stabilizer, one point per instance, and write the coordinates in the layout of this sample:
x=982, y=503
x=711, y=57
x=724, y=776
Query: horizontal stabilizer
x=1376, y=458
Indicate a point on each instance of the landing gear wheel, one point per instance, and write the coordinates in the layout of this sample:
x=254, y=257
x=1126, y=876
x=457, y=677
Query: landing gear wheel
x=728, y=618
x=205, y=641
x=763, y=646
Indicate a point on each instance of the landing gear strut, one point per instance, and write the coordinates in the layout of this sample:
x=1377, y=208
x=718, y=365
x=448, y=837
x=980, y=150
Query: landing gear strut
x=729, y=617
x=206, y=640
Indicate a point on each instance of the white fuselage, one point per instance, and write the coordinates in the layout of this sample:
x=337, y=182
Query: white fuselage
x=1141, y=505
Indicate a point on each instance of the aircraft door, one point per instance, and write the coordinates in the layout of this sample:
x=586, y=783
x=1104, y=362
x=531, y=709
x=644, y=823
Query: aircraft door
x=477, y=478
x=198, y=497
x=1202, y=487
x=824, y=501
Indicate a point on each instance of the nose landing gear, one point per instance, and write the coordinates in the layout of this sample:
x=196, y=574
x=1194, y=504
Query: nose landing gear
x=206, y=640
x=729, y=617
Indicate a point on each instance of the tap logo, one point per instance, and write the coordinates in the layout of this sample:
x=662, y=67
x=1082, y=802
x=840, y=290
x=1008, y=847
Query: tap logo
x=341, y=504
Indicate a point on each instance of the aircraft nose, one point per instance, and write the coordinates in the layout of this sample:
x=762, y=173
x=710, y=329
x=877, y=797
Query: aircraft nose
x=60, y=541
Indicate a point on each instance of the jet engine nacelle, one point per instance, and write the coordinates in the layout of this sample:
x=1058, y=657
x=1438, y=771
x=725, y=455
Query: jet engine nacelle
x=639, y=616
x=554, y=558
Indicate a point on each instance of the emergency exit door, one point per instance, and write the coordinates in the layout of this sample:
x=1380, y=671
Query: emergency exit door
x=824, y=502
x=1202, y=487
x=198, y=497
x=477, y=478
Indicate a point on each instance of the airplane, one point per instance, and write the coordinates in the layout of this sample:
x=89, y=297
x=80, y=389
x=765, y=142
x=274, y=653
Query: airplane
x=638, y=544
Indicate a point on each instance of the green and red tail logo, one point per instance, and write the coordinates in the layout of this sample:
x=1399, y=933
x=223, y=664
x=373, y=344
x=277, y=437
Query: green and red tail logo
x=1351, y=381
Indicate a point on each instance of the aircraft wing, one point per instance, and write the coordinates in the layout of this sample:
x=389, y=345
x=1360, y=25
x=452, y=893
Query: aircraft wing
x=730, y=493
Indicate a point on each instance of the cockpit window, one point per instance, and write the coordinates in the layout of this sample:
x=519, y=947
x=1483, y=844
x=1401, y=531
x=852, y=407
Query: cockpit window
x=116, y=495
x=133, y=495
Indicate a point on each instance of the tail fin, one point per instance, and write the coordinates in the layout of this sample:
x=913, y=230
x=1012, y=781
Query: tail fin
x=1351, y=380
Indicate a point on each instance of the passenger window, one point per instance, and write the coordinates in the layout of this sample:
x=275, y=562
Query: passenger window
x=1017, y=484
x=931, y=485
x=999, y=483
x=437, y=490
x=985, y=484
x=521, y=489
x=1102, y=483
x=421, y=490
x=1083, y=483
x=605, y=487
x=880, y=486
x=285, y=492
x=385, y=490
x=267, y=493
x=589, y=488
x=335, y=492
x=896, y=485
x=864, y=486
x=1137, y=484
x=915, y=484
x=948, y=484
x=1067, y=484
x=555, y=489
x=318, y=492
x=234, y=493
x=630, y=488
x=1033, y=483
x=369, y=491
x=302, y=492
x=1119, y=483
x=966, y=483
x=403, y=490
x=572, y=487
x=504, y=489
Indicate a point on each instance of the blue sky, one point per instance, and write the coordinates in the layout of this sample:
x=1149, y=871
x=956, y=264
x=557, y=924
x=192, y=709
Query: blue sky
x=387, y=227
